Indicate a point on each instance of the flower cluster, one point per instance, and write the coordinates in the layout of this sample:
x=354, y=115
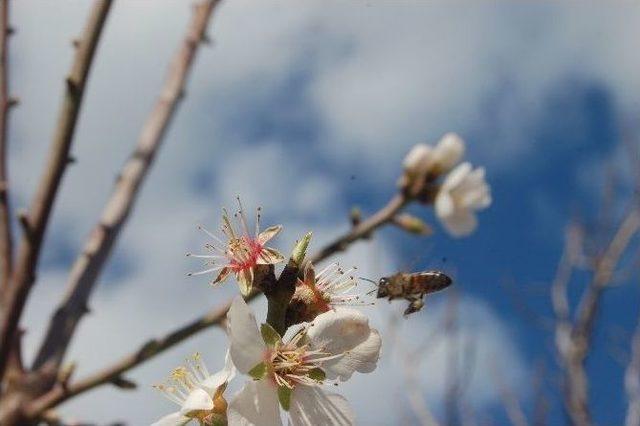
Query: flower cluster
x=313, y=336
x=460, y=192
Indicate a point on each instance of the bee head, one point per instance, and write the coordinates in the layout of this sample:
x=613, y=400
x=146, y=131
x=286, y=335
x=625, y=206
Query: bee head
x=383, y=291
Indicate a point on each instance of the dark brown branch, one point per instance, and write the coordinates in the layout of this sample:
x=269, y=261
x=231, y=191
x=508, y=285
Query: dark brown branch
x=23, y=276
x=89, y=264
x=6, y=238
x=215, y=317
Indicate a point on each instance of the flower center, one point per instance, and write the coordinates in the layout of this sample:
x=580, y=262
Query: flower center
x=291, y=365
x=243, y=253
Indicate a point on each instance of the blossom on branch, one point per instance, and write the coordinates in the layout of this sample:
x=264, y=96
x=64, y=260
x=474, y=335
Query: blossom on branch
x=319, y=293
x=198, y=393
x=425, y=163
x=288, y=373
x=239, y=252
x=463, y=192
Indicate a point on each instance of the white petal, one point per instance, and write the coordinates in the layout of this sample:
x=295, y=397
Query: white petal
x=269, y=233
x=213, y=382
x=346, y=332
x=417, y=159
x=456, y=176
x=311, y=406
x=444, y=205
x=197, y=400
x=448, y=152
x=461, y=224
x=255, y=404
x=174, y=419
x=247, y=347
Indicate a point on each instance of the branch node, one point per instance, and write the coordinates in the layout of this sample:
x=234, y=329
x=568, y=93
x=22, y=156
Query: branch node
x=72, y=86
x=13, y=102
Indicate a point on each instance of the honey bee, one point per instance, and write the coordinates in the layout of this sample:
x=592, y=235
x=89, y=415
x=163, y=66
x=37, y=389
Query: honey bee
x=412, y=287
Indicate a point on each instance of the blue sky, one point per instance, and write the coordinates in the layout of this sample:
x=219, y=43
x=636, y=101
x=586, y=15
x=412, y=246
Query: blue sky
x=307, y=110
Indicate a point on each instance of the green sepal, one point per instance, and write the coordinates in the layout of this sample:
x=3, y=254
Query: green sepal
x=269, y=335
x=259, y=371
x=284, y=396
x=317, y=374
x=300, y=249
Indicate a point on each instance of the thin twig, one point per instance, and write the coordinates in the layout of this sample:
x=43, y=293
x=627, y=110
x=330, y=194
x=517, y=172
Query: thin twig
x=6, y=238
x=214, y=317
x=509, y=398
x=632, y=381
x=89, y=264
x=573, y=340
x=363, y=229
x=24, y=274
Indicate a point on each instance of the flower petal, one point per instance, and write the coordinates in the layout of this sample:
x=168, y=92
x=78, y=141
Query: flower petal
x=247, y=347
x=255, y=404
x=245, y=280
x=269, y=233
x=173, y=419
x=456, y=176
x=461, y=224
x=346, y=332
x=213, y=382
x=224, y=272
x=311, y=406
x=444, y=205
x=418, y=159
x=448, y=152
x=269, y=256
x=197, y=400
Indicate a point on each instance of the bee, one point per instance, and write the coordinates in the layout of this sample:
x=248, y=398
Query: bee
x=412, y=287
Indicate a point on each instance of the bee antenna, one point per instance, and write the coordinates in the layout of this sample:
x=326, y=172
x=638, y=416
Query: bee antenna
x=367, y=279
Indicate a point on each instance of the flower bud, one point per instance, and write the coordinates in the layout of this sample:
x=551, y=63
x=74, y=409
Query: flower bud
x=418, y=159
x=412, y=224
x=447, y=153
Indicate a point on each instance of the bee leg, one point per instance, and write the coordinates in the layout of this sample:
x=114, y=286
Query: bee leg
x=414, y=306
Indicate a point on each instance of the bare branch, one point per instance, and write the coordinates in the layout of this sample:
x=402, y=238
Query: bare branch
x=509, y=398
x=362, y=229
x=23, y=276
x=214, y=317
x=6, y=238
x=632, y=381
x=573, y=340
x=89, y=264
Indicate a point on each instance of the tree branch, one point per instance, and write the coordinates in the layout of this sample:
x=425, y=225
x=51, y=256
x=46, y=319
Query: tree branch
x=23, y=276
x=6, y=238
x=216, y=316
x=573, y=340
x=362, y=229
x=632, y=381
x=89, y=264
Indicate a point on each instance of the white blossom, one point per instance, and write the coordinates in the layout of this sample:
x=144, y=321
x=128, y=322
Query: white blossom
x=463, y=192
x=290, y=372
x=198, y=393
x=320, y=292
x=425, y=160
x=239, y=252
